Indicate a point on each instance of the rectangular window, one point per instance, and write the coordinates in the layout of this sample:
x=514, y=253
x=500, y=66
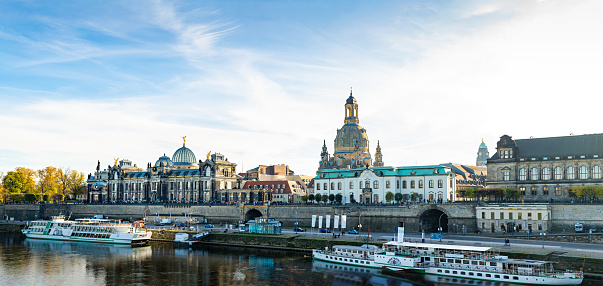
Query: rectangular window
x=397, y=184
x=502, y=215
x=505, y=176
x=522, y=190
x=492, y=215
x=545, y=190
x=539, y=216
x=387, y=186
x=510, y=215
x=529, y=215
x=351, y=185
x=412, y=184
x=558, y=191
x=519, y=215
x=403, y=184
x=483, y=214
x=431, y=183
x=318, y=187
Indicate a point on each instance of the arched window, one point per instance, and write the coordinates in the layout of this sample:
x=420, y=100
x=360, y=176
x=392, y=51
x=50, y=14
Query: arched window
x=534, y=174
x=440, y=183
x=420, y=184
x=375, y=184
x=570, y=173
x=325, y=186
x=397, y=184
x=546, y=173
x=332, y=185
x=558, y=175
x=596, y=172
x=360, y=185
x=339, y=186
x=412, y=184
x=318, y=187
x=431, y=183
x=522, y=174
x=583, y=173
x=404, y=184
x=351, y=185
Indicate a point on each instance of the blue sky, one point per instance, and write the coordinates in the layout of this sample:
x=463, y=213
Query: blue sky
x=264, y=82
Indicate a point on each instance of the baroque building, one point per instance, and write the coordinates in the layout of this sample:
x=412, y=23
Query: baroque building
x=543, y=169
x=351, y=145
x=179, y=179
x=370, y=185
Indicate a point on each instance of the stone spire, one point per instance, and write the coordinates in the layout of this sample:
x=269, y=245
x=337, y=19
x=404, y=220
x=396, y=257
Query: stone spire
x=378, y=156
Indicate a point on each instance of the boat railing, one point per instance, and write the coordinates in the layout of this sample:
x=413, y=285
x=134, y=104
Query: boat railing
x=501, y=271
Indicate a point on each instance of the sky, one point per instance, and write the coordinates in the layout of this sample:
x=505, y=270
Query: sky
x=265, y=82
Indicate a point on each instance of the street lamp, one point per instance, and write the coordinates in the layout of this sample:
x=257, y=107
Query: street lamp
x=440, y=226
x=543, y=234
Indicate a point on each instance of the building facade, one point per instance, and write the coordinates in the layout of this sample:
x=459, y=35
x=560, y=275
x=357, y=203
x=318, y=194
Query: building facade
x=180, y=179
x=543, y=169
x=370, y=185
x=513, y=218
x=351, y=145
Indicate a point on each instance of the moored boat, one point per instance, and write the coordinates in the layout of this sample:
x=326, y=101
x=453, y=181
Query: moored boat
x=97, y=230
x=184, y=239
x=363, y=256
x=472, y=262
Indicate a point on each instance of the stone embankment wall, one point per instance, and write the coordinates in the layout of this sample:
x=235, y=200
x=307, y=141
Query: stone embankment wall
x=565, y=216
x=377, y=218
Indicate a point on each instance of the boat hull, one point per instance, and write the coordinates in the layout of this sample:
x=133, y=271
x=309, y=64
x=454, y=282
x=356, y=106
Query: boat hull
x=142, y=239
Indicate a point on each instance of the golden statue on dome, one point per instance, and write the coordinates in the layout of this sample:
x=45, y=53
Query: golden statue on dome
x=183, y=140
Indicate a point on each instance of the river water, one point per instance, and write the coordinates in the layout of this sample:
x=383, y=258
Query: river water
x=40, y=262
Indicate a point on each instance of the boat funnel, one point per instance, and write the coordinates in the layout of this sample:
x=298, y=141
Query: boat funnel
x=400, y=231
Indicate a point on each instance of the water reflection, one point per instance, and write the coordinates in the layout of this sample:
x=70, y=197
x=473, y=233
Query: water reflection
x=346, y=275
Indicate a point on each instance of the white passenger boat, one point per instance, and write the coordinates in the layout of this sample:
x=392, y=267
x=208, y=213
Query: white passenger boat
x=473, y=262
x=87, y=230
x=183, y=239
x=363, y=256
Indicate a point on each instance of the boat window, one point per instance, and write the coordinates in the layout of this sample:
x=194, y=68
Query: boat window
x=473, y=262
x=515, y=278
x=482, y=263
x=462, y=272
x=439, y=270
x=465, y=261
x=488, y=275
x=457, y=261
x=492, y=263
x=496, y=276
x=447, y=271
x=454, y=272
x=450, y=260
x=506, y=277
x=479, y=274
x=470, y=273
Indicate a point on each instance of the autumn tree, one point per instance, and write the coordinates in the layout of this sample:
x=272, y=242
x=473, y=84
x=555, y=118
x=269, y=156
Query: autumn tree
x=30, y=176
x=47, y=181
x=389, y=196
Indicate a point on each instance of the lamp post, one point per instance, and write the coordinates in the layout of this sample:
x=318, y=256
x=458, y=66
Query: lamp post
x=440, y=226
x=543, y=234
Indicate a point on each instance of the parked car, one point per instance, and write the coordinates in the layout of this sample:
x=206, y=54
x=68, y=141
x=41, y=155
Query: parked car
x=352, y=231
x=207, y=225
x=324, y=230
x=593, y=229
x=298, y=229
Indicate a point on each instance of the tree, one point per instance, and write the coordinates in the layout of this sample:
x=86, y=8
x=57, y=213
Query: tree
x=304, y=198
x=318, y=198
x=311, y=197
x=62, y=179
x=389, y=196
x=16, y=197
x=14, y=182
x=398, y=197
x=30, y=176
x=29, y=197
x=414, y=196
x=47, y=180
x=57, y=197
x=331, y=198
x=325, y=198
x=338, y=198
x=76, y=183
x=470, y=193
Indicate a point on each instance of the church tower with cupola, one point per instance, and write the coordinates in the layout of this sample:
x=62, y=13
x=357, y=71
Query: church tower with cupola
x=482, y=155
x=351, y=145
x=378, y=156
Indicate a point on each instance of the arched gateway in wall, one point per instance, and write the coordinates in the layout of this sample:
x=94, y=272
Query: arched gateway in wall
x=432, y=219
x=252, y=214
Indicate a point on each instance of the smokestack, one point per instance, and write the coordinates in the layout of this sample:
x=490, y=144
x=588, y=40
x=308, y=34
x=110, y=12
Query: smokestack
x=401, y=232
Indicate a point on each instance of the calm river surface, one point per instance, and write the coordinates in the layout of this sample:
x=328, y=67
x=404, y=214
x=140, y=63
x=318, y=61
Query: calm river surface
x=39, y=262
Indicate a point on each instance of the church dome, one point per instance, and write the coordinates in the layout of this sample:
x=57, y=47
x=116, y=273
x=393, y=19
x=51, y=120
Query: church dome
x=350, y=100
x=184, y=156
x=167, y=162
x=351, y=137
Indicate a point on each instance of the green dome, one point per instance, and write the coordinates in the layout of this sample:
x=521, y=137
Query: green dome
x=184, y=156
